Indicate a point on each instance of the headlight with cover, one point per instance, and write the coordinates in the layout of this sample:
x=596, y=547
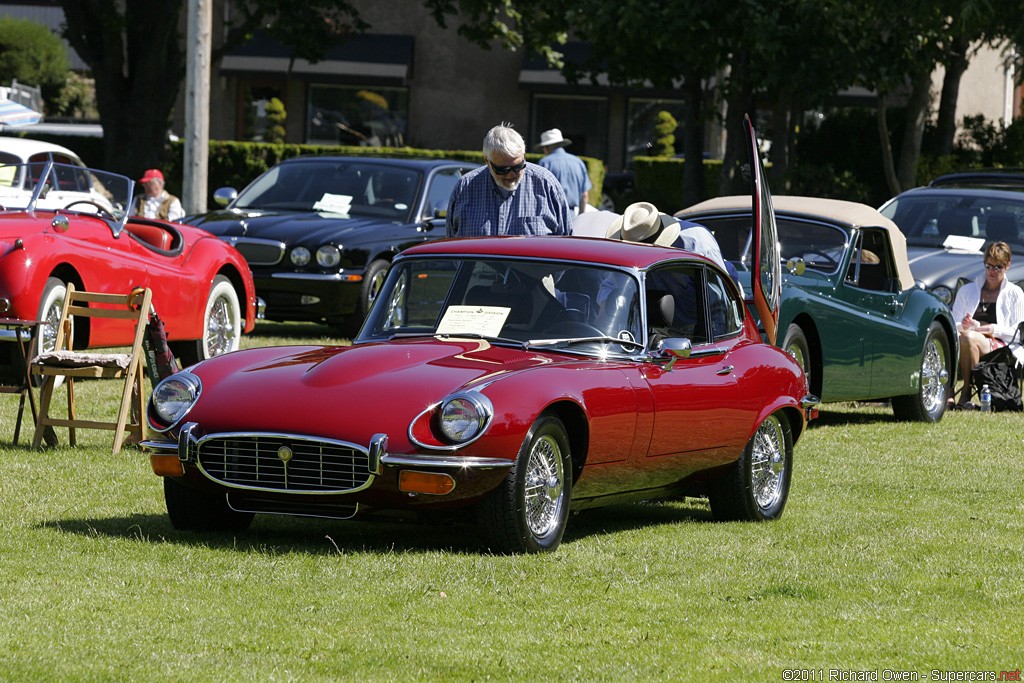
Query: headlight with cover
x=300, y=256
x=944, y=293
x=464, y=416
x=328, y=256
x=174, y=397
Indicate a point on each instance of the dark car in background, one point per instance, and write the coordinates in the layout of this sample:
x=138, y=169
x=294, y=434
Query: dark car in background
x=319, y=232
x=948, y=224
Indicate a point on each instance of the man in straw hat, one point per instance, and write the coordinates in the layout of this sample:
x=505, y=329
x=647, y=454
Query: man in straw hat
x=570, y=170
x=642, y=222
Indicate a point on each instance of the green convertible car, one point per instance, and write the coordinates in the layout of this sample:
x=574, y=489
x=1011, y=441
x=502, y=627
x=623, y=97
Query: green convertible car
x=851, y=312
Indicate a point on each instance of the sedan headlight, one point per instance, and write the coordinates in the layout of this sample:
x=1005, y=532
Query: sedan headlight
x=464, y=416
x=300, y=256
x=175, y=396
x=328, y=256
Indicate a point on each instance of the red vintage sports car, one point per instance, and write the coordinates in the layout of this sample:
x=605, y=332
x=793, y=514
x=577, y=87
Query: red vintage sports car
x=202, y=287
x=502, y=380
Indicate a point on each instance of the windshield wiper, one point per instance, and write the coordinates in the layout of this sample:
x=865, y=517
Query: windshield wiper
x=477, y=335
x=583, y=340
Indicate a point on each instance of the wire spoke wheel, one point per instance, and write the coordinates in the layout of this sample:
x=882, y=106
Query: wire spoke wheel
x=768, y=463
x=544, y=485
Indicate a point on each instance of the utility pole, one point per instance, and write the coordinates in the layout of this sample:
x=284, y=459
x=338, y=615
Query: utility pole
x=197, y=106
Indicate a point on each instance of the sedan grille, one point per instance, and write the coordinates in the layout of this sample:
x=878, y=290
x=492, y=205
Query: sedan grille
x=259, y=252
x=284, y=463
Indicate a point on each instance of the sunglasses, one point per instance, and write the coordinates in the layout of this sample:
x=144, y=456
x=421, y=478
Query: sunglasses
x=992, y=266
x=505, y=170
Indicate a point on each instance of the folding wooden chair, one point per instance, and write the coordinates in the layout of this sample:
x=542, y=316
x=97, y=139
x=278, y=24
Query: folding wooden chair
x=64, y=361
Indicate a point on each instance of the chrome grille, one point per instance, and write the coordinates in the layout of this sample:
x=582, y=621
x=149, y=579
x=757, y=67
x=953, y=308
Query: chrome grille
x=283, y=463
x=259, y=252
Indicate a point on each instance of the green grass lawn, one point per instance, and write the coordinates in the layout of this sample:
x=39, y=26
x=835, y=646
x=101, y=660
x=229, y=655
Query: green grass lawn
x=900, y=550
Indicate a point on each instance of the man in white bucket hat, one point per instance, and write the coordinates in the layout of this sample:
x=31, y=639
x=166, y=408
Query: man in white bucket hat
x=570, y=170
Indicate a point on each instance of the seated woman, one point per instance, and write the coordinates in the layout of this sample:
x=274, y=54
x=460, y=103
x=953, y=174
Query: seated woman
x=987, y=312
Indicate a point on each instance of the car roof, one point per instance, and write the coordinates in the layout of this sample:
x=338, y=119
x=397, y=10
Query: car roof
x=1012, y=196
x=423, y=164
x=838, y=211
x=1009, y=179
x=581, y=249
x=25, y=147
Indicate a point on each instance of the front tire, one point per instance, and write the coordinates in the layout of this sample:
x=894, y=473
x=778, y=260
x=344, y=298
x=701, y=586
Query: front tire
x=222, y=325
x=755, y=488
x=795, y=344
x=194, y=510
x=528, y=512
x=929, y=403
x=51, y=305
x=373, y=280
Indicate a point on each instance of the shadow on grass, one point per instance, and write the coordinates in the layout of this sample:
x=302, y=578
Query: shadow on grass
x=840, y=414
x=271, y=534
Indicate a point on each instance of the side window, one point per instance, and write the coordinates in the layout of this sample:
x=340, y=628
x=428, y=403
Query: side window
x=441, y=185
x=675, y=300
x=872, y=264
x=726, y=310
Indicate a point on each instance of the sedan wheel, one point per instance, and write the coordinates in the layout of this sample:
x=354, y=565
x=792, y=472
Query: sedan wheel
x=755, y=488
x=795, y=344
x=528, y=512
x=929, y=403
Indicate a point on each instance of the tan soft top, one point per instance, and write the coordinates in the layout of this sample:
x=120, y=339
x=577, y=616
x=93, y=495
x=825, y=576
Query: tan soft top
x=847, y=214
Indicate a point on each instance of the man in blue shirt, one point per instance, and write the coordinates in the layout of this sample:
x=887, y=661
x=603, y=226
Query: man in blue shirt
x=508, y=195
x=570, y=170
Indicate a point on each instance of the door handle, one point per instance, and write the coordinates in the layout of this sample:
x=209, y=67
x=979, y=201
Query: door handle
x=727, y=370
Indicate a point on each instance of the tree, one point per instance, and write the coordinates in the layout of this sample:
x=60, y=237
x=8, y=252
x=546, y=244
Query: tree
x=31, y=54
x=136, y=55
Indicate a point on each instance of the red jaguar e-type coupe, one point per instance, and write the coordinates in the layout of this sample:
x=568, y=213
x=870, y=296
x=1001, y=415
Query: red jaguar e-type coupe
x=202, y=287
x=502, y=380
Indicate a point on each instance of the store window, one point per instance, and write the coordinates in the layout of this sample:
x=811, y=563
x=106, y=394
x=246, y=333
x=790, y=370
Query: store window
x=357, y=115
x=641, y=117
x=584, y=120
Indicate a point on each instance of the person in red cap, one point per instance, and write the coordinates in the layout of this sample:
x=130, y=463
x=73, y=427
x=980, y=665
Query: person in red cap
x=157, y=202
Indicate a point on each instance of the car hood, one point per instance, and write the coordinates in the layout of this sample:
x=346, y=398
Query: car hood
x=286, y=226
x=944, y=266
x=348, y=392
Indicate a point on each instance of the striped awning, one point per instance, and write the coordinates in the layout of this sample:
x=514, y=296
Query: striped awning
x=14, y=114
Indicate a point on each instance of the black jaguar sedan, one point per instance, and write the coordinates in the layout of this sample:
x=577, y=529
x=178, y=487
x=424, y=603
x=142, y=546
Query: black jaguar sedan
x=320, y=232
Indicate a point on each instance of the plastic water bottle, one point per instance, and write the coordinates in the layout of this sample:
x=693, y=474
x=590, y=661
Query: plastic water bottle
x=986, y=399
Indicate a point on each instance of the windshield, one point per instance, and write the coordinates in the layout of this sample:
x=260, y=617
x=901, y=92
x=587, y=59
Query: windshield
x=51, y=186
x=516, y=301
x=821, y=246
x=931, y=219
x=344, y=188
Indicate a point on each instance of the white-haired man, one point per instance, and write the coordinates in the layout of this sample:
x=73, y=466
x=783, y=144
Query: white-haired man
x=508, y=195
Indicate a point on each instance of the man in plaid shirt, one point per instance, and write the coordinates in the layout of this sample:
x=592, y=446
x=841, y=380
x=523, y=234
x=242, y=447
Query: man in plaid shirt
x=508, y=196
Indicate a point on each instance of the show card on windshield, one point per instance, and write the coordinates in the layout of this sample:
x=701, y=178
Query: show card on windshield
x=483, y=320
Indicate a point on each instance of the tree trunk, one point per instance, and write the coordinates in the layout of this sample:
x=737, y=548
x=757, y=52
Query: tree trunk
x=888, y=168
x=781, y=134
x=739, y=98
x=138, y=64
x=956, y=65
x=694, y=185
x=917, y=113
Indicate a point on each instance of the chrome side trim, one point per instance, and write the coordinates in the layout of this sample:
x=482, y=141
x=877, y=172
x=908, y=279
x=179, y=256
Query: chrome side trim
x=319, y=277
x=447, y=461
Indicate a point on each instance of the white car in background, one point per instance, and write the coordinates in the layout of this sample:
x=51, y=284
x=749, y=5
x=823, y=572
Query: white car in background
x=23, y=160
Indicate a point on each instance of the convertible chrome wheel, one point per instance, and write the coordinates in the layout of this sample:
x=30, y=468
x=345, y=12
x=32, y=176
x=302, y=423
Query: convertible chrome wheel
x=222, y=326
x=528, y=512
x=755, y=488
x=768, y=464
x=223, y=320
x=929, y=403
x=544, y=485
